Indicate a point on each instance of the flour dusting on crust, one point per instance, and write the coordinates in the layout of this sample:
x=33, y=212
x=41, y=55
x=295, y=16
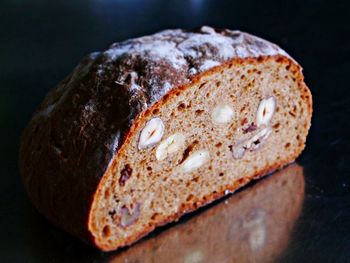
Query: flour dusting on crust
x=182, y=54
x=151, y=66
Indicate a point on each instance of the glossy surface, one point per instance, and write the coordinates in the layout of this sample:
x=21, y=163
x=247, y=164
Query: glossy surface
x=41, y=41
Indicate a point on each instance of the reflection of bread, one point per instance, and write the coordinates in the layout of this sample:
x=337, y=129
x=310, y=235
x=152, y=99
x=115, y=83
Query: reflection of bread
x=250, y=226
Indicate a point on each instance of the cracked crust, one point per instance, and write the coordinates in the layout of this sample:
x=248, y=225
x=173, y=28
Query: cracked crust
x=75, y=136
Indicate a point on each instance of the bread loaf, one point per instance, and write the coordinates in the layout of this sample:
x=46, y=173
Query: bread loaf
x=157, y=126
x=249, y=226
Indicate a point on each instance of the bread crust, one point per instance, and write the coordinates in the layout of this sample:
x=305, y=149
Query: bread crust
x=75, y=137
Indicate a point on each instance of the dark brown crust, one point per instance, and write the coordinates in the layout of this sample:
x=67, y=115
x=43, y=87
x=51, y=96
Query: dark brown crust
x=78, y=132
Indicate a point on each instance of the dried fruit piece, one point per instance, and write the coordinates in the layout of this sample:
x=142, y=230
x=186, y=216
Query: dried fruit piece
x=238, y=151
x=265, y=111
x=127, y=218
x=255, y=142
x=251, y=144
x=252, y=127
x=170, y=145
x=152, y=133
x=125, y=174
x=195, y=160
x=222, y=113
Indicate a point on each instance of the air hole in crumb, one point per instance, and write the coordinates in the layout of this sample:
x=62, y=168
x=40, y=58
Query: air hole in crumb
x=181, y=106
x=219, y=144
x=107, y=193
x=207, y=95
x=190, y=197
x=218, y=153
x=172, y=114
x=242, y=76
x=292, y=114
x=221, y=174
x=155, y=111
x=111, y=213
x=298, y=137
x=243, y=108
x=276, y=126
x=287, y=145
x=218, y=83
x=202, y=85
x=106, y=231
x=195, y=179
x=149, y=168
x=199, y=112
x=154, y=216
x=277, y=109
x=241, y=181
x=177, y=93
x=210, y=168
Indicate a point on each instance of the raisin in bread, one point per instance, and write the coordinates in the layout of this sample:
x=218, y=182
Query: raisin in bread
x=247, y=227
x=157, y=126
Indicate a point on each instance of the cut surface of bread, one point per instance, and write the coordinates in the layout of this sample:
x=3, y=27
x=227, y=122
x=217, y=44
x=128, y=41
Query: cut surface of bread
x=249, y=226
x=227, y=127
x=157, y=126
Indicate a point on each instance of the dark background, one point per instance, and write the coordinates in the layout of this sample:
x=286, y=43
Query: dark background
x=41, y=42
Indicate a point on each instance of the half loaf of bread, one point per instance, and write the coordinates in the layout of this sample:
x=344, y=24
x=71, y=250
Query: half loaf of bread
x=157, y=126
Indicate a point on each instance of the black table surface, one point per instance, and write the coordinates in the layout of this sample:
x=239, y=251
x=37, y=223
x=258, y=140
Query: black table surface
x=41, y=41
